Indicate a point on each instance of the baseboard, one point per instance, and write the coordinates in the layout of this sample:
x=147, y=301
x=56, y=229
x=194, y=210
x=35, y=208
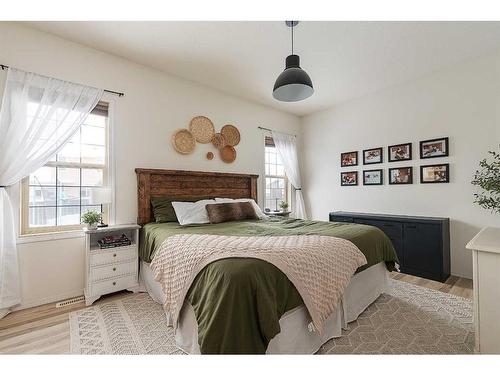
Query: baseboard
x=464, y=276
x=46, y=300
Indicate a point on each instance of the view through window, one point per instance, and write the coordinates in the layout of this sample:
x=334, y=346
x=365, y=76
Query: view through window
x=57, y=194
x=276, y=181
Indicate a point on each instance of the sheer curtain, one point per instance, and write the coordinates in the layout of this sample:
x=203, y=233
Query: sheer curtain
x=286, y=144
x=37, y=117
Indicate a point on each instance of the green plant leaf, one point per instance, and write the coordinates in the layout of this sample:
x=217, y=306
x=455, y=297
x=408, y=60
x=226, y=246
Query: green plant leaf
x=488, y=179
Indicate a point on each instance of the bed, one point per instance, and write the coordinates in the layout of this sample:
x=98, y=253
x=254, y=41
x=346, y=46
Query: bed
x=256, y=309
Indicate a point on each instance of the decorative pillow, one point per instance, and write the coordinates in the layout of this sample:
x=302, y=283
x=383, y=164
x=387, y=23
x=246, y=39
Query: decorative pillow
x=258, y=211
x=192, y=212
x=222, y=212
x=164, y=212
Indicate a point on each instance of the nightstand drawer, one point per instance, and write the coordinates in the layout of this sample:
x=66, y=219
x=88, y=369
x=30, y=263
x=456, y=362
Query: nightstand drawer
x=117, y=254
x=113, y=270
x=112, y=285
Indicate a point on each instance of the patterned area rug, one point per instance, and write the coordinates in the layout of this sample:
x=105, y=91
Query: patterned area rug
x=408, y=320
x=132, y=325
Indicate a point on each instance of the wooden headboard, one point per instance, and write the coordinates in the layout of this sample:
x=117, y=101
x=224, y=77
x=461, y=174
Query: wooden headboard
x=184, y=184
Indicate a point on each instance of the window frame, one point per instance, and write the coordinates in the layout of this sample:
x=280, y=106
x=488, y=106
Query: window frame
x=25, y=229
x=269, y=142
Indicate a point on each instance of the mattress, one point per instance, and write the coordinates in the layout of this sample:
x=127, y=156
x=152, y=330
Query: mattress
x=255, y=293
x=371, y=241
x=297, y=335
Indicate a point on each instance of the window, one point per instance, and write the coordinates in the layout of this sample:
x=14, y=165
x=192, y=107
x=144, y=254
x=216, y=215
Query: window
x=276, y=188
x=56, y=195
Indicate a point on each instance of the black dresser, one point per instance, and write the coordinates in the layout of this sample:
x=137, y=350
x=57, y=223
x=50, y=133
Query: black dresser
x=422, y=243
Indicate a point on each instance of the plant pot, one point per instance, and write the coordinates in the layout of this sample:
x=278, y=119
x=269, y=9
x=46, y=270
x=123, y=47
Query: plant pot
x=92, y=226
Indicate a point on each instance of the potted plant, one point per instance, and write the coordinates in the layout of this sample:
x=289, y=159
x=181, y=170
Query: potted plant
x=488, y=179
x=91, y=219
x=284, y=206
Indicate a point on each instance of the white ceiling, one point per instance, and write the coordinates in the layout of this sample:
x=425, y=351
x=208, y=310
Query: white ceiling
x=344, y=59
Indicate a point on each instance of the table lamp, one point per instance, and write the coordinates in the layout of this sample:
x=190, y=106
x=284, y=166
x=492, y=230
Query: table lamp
x=101, y=195
x=276, y=194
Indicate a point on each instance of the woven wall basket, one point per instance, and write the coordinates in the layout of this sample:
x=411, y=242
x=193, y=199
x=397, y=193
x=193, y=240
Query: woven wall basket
x=228, y=154
x=231, y=135
x=202, y=129
x=183, y=141
x=218, y=141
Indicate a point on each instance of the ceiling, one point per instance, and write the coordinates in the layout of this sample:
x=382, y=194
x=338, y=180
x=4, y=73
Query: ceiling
x=344, y=59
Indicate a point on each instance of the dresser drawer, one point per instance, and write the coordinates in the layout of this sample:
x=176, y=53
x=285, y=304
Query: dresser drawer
x=341, y=219
x=112, y=285
x=392, y=230
x=117, y=254
x=113, y=270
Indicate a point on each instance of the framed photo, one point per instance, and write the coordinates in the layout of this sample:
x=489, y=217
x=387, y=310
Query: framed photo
x=434, y=148
x=433, y=174
x=349, y=178
x=372, y=177
x=373, y=156
x=349, y=159
x=401, y=176
x=399, y=152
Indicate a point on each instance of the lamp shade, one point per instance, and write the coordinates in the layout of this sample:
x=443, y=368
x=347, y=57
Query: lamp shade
x=276, y=194
x=293, y=84
x=101, y=195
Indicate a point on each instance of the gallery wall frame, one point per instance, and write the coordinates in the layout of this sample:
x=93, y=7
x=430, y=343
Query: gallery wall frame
x=349, y=178
x=399, y=152
x=435, y=173
x=373, y=177
x=349, y=159
x=373, y=156
x=434, y=148
x=400, y=176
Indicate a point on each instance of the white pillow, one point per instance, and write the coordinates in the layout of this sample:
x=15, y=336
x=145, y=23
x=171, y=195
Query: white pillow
x=255, y=206
x=192, y=212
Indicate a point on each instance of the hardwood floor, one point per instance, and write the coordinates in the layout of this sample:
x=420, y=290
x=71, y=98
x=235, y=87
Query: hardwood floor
x=458, y=286
x=45, y=329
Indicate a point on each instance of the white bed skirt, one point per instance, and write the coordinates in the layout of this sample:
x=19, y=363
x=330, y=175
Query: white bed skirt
x=296, y=336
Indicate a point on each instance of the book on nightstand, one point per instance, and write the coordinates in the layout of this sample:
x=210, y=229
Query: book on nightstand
x=114, y=241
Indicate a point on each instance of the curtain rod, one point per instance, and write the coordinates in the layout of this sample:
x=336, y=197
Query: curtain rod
x=120, y=94
x=271, y=130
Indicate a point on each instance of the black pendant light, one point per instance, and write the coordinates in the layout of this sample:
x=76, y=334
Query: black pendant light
x=293, y=84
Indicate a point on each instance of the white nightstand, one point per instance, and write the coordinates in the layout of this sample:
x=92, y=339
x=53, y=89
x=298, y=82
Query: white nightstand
x=113, y=269
x=285, y=214
x=485, y=248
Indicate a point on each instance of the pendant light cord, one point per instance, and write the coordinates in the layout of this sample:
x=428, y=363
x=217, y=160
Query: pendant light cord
x=292, y=39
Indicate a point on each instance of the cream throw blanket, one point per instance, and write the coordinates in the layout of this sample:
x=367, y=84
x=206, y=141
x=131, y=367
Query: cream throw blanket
x=320, y=267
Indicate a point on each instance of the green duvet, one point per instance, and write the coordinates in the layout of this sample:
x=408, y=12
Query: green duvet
x=238, y=301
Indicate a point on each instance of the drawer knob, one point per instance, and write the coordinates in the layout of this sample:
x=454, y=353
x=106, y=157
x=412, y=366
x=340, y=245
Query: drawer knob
x=114, y=255
x=114, y=268
x=114, y=282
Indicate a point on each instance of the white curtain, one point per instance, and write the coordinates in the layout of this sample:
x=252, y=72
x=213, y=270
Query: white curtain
x=286, y=144
x=37, y=117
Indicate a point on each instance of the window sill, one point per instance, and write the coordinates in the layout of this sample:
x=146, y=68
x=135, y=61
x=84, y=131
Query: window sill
x=39, y=237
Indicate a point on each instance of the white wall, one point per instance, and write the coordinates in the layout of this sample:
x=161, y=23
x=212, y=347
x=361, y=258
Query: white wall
x=155, y=104
x=460, y=102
